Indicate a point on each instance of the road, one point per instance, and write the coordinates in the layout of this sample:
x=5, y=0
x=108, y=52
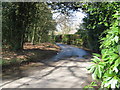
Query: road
x=69, y=51
x=68, y=71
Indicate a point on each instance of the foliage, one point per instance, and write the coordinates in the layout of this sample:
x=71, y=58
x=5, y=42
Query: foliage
x=26, y=21
x=99, y=18
x=100, y=24
x=31, y=21
x=14, y=16
x=71, y=39
x=93, y=84
x=106, y=67
x=42, y=26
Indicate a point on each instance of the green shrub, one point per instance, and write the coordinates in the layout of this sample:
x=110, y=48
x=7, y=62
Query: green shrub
x=106, y=67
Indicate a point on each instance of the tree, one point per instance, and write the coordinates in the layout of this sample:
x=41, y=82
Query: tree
x=43, y=24
x=99, y=17
x=26, y=21
x=15, y=22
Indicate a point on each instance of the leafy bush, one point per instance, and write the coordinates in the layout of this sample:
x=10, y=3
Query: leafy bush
x=106, y=67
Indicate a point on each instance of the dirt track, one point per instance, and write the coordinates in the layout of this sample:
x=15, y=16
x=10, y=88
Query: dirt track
x=70, y=72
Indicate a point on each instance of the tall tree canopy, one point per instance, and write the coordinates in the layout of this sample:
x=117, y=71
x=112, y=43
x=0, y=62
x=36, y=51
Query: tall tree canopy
x=30, y=21
x=99, y=18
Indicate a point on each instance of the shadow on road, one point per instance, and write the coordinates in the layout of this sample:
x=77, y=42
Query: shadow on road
x=69, y=72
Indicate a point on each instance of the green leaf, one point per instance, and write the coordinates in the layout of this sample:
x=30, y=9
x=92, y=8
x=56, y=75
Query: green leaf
x=93, y=84
x=113, y=82
x=99, y=72
x=106, y=24
x=98, y=55
x=116, y=38
x=96, y=59
x=117, y=62
x=115, y=69
x=118, y=49
x=91, y=69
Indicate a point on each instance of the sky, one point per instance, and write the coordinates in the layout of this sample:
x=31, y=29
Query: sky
x=75, y=21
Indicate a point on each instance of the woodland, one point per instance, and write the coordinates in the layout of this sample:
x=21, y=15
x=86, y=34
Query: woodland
x=32, y=22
